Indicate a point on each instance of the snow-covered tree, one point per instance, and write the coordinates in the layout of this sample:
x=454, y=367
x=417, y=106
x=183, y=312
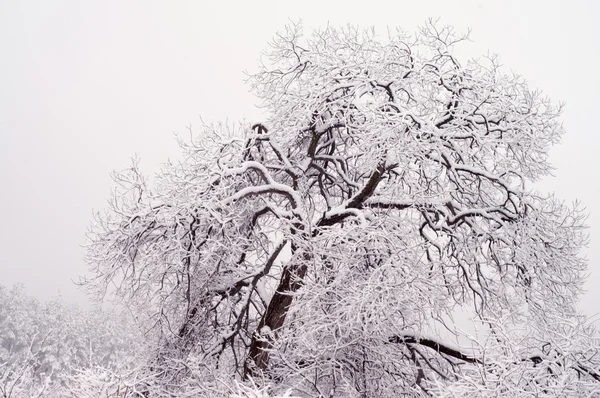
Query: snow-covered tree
x=330, y=248
x=45, y=347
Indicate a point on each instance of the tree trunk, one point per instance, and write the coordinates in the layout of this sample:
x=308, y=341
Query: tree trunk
x=273, y=319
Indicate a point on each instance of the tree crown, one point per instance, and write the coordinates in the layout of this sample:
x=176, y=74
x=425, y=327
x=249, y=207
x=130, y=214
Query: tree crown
x=327, y=248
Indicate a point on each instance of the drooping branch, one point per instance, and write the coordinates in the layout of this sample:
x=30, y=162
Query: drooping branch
x=436, y=346
x=456, y=353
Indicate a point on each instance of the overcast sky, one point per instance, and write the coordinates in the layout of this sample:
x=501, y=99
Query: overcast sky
x=86, y=85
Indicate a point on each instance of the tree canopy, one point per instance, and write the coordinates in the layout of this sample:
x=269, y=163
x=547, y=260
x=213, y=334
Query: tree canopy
x=327, y=250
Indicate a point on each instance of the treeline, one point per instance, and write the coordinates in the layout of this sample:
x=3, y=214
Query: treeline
x=46, y=347
x=55, y=349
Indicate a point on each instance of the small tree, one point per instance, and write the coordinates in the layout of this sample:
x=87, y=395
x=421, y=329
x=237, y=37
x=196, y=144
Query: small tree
x=328, y=249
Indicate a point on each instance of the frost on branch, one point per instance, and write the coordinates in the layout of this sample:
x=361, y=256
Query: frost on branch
x=328, y=248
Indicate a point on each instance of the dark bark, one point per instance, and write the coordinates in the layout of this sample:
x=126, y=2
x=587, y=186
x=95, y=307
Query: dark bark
x=291, y=280
x=274, y=317
x=454, y=353
x=436, y=346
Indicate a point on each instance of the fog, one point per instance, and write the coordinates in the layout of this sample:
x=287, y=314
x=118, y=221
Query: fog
x=88, y=85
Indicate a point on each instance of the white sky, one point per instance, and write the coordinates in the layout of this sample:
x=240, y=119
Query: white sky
x=86, y=85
